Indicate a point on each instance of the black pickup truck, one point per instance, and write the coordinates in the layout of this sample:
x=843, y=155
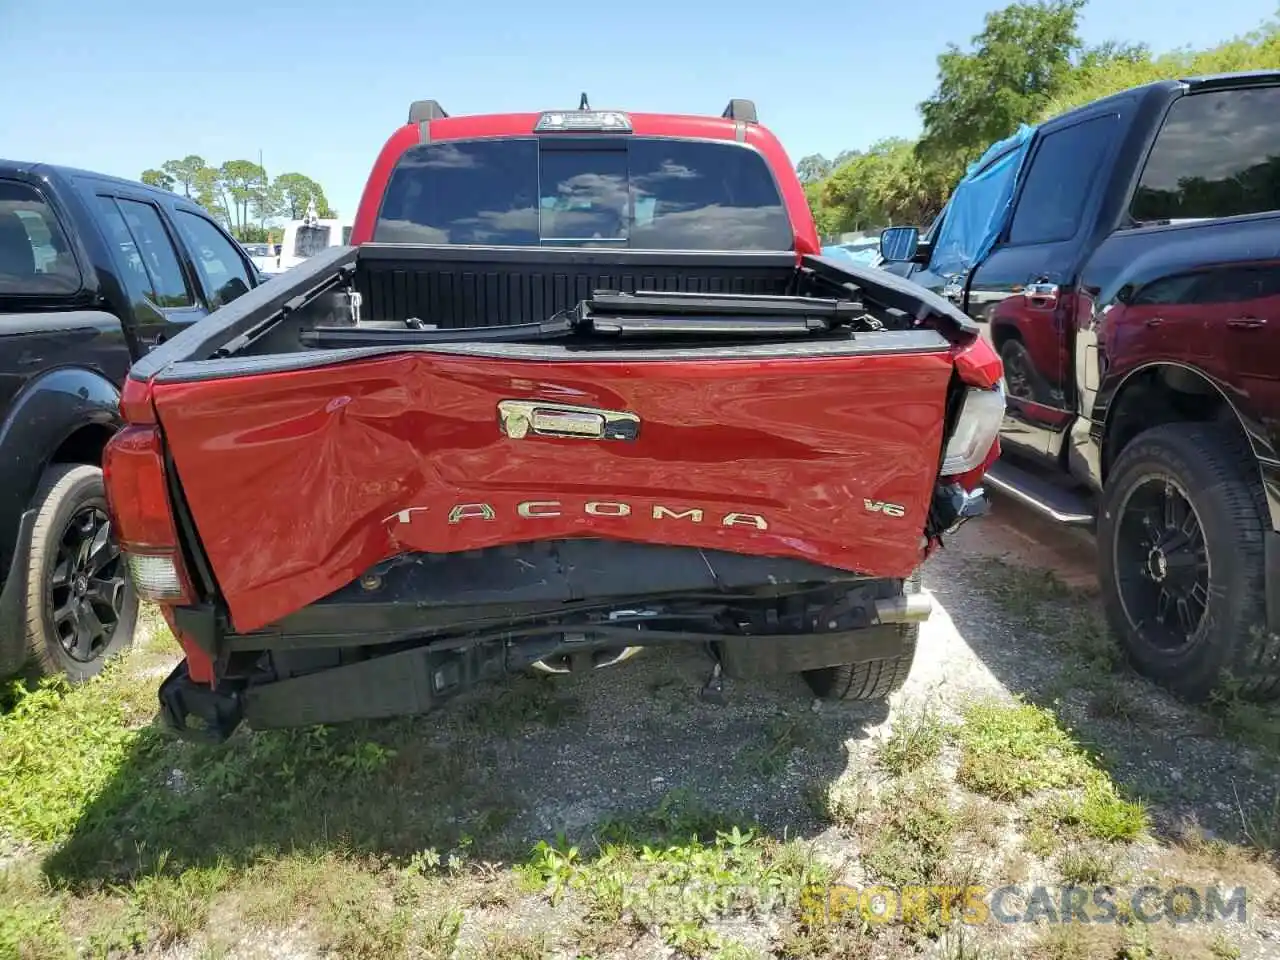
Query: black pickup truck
x=94, y=272
x=1133, y=292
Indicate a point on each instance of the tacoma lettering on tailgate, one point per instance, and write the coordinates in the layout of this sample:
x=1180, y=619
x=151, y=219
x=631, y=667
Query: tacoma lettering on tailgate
x=533, y=509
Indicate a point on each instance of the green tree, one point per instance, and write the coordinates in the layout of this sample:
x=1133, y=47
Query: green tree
x=268, y=204
x=207, y=191
x=813, y=168
x=1133, y=66
x=297, y=191
x=185, y=172
x=1028, y=64
x=254, y=233
x=157, y=178
x=1023, y=57
x=887, y=184
x=239, y=194
x=243, y=181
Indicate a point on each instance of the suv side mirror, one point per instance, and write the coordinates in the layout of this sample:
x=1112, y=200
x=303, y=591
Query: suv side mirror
x=899, y=244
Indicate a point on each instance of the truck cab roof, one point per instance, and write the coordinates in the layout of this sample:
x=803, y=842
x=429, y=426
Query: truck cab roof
x=46, y=171
x=1163, y=90
x=428, y=123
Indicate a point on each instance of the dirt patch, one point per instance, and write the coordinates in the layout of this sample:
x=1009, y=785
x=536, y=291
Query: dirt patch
x=1019, y=535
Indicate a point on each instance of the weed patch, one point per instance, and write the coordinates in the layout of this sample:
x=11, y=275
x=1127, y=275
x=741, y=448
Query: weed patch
x=1249, y=722
x=518, y=703
x=674, y=870
x=1011, y=751
x=1066, y=616
x=913, y=834
x=506, y=945
x=914, y=742
x=60, y=747
x=31, y=918
x=1082, y=866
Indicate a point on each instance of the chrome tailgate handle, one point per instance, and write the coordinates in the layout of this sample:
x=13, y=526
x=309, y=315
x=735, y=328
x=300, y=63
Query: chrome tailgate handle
x=523, y=418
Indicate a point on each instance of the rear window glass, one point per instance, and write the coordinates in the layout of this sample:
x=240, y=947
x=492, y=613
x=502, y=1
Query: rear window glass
x=1217, y=155
x=309, y=241
x=638, y=193
x=35, y=257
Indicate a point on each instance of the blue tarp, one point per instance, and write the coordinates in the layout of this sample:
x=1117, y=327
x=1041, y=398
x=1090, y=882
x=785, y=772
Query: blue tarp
x=976, y=211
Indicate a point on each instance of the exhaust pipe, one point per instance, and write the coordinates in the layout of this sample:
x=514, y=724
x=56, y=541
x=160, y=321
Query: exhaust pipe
x=912, y=608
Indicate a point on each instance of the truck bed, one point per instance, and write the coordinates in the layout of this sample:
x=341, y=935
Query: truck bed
x=455, y=287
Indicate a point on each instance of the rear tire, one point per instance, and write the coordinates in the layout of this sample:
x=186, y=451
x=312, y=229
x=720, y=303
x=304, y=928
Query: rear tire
x=81, y=608
x=1211, y=588
x=870, y=679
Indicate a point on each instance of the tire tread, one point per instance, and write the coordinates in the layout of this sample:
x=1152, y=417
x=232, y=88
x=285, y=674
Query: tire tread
x=871, y=679
x=1253, y=656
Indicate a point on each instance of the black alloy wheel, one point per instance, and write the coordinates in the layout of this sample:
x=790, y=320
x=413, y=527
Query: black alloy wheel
x=1162, y=563
x=86, y=586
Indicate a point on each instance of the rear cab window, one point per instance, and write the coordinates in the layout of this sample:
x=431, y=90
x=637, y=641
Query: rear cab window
x=310, y=240
x=35, y=255
x=642, y=193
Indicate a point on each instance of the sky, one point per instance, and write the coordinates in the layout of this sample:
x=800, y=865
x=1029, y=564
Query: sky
x=318, y=92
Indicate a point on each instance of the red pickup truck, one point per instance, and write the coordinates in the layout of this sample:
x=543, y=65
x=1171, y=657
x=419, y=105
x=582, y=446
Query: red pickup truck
x=582, y=385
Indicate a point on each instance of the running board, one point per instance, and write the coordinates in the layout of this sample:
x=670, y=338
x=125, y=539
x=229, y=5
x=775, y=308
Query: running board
x=1044, y=496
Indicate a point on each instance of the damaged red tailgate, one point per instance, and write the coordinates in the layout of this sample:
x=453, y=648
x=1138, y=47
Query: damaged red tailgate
x=298, y=481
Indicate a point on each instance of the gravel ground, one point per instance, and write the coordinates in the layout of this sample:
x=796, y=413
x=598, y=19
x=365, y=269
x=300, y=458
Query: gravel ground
x=643, y=731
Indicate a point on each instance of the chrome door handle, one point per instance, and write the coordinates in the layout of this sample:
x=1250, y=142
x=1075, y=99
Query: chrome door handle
x=1045, y=294
x=522, y=418
x=1246, y=323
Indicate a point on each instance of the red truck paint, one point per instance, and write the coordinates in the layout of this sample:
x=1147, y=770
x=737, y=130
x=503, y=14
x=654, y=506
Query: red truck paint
x=291, y=475
x=297, y=480
x=643, y=124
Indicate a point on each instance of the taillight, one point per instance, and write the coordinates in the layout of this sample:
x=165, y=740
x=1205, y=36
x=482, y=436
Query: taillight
x=973, y=440
x=138, y=499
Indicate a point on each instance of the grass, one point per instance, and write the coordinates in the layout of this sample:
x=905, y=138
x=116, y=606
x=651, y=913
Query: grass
x=377, y=840
x=913, y=833
x=1077, y=941
x=59, y=748
x=674, y=869
x=1256, y=724
x=1082, y=866
x=1011, y=751
x=507, y=945
x=914, y=742
x=521, y=702
x=1071, y=620
x=777, y=744
x=1068, y=617
x=144, y=838
x=87, y=769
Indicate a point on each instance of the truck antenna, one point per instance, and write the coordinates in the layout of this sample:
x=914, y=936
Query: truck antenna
x=582, y=104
